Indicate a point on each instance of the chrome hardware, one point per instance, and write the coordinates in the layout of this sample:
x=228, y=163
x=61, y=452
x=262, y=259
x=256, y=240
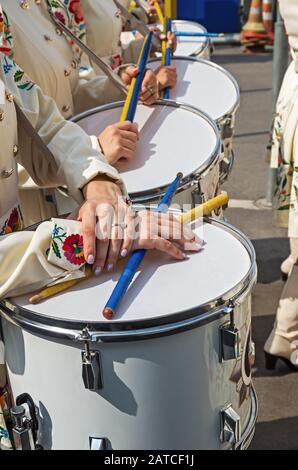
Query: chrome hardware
x=22, y=430
x=197, y=196
x=230, y=345
x=227, y=129
x=230, y=426
x=97, y=443
x=91, y=370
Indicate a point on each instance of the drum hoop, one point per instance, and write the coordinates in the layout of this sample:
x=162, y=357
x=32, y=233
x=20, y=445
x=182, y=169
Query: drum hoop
x=217, y=67
x=249, y=431
x=207, y=40
x=138, y=329
x=196, y=175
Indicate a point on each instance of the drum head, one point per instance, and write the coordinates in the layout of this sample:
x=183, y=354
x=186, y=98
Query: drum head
x=187, y=46
x=172, y=139
x=164, y=290
x=205, y=86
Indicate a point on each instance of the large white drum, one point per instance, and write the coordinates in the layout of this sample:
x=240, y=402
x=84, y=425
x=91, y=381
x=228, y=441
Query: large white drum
x=173, y=138
x=212, y=89
x=175, y=363
x=191, y=46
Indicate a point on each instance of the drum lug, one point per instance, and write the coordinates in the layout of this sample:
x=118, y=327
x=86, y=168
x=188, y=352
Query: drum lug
x=229, y=338
x=227, y=130
x=230, y=426
x=197, y=197
x=25, y=428
x=91, y=369
x=97, y=443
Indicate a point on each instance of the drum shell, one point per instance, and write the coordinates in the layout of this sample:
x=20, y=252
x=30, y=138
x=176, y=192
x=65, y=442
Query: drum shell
x=161, y=393
x=204, y=50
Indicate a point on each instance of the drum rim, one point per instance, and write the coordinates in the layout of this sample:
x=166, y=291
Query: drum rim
x=219, y=68
x=207, y=40
x=249, y=430
x=193, y=177
x=132, y=330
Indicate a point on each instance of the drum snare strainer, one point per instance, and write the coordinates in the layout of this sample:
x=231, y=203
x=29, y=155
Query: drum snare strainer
x=171, y=371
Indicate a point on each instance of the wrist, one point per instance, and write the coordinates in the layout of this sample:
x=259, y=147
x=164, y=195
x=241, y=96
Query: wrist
x=101, y=186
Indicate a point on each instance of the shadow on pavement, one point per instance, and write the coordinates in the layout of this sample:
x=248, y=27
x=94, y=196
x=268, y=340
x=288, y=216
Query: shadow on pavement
x=270, y=254
x=279, y=434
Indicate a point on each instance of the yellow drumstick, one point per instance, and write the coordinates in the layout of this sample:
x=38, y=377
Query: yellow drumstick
x=132, y=95
x=58, y=288
x=204, y=209
x=159, y=13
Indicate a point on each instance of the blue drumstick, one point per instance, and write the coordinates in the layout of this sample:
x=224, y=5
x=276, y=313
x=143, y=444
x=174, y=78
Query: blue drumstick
x=166, y=93
x=198, y=35
x=136, y=258
x=130, y=105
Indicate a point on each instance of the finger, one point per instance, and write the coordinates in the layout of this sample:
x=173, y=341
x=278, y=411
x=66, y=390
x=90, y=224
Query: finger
x=88, y=217
x=168, y=222
x=129, y=234
x=132, y=71
x=165, y=246
x=129, y=136
x=114, y=248
x=128, y=126
x=128, y=144
x=104, y=226
x=117, y=236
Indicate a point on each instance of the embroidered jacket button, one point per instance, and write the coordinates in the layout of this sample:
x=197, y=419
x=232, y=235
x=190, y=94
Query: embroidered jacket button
x=25, y=4
x=66, y=108
x=67, y=72
x=2, y=115
x=74, y=64
x=48, y=38
x=15, y=150
x=9, y=97
x=59, y=32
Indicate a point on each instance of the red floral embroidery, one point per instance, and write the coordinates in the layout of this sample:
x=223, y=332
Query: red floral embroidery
x=60, y=17
x=13, y=223
x=116, y=61
x=76, y=8
x=73, y=249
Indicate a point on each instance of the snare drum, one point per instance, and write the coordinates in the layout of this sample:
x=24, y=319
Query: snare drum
x=191, y=46
x=212, y=89
x=173, y=138
x=171, y=371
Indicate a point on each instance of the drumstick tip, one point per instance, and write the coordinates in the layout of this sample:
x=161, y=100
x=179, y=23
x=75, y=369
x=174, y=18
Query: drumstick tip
x=108, y=313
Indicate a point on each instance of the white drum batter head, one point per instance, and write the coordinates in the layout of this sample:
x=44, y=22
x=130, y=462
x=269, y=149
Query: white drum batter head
x=205, y=86
x=172, y=139
x=187, y=46
x=164, y=290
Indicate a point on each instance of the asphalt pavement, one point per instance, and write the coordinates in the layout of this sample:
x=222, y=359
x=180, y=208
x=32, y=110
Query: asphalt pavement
x=277, y=391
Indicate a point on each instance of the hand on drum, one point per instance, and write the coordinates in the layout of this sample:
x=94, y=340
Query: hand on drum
x=111, y=229
x=119, y=141
x=149, y=91
x=166, y=76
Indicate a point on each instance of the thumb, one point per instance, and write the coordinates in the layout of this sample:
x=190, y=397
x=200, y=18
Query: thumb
x=132, y=70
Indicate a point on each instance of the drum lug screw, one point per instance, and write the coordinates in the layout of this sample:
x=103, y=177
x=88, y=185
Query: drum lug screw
x=91, y=369
x=22, y=431
x=230, y=344
x=230, y=426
